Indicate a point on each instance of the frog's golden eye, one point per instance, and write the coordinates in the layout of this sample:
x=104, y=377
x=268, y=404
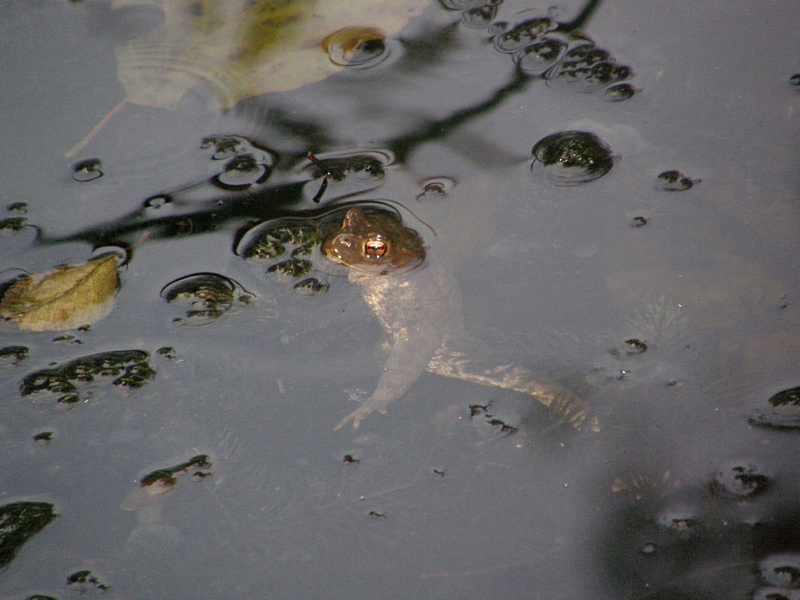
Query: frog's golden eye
x=375, y=248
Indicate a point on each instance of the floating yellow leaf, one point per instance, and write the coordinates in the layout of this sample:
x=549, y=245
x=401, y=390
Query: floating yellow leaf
x=244, y=48
x=64, y=298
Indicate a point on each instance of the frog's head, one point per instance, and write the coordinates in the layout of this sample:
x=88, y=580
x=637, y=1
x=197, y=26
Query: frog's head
x=374, y=243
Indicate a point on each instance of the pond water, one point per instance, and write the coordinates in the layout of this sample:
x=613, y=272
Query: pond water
x=607, y=193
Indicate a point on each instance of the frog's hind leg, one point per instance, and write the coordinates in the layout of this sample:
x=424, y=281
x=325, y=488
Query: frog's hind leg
x=569, y=407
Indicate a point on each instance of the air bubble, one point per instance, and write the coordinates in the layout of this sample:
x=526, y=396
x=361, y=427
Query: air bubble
x=480, y=16
x=674, y=181
x=247, y=164
x=18, y=208
x=356, y=47
x=157, y=202
x=619, y=92
x=13, y=224
x=311, y=287
x=783, y=411
x=241, y=172
x=649, y=549
x=781, y=570
x=795, y=80
x=44, y=438
x=774, y=593
x=435, y=188
x=680, y=519
x=87, y=170
x=460, y=4
x=572, y=157
x=740, y=479
x=497, y=28
x=523, y=35
x=539, y=57
x=638, y=221
x=346, y=173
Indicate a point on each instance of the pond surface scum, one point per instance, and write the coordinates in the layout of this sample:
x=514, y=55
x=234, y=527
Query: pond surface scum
x=228, y=226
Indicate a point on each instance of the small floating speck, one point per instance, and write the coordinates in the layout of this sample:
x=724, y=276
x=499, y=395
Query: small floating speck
x=44, y=438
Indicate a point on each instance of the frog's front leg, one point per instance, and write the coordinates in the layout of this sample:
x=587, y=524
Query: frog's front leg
x=410, y=354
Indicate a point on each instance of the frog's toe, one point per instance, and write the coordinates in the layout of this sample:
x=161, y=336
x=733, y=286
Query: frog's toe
x=359, y=415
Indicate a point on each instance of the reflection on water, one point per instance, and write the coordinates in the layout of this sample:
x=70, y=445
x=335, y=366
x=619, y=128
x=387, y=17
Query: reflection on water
x=202, y=461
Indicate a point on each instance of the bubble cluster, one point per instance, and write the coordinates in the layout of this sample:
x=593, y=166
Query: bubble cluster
x=246, y=164
x=589, y=68
x=542, y=47
x=290, y=248
x=66, y=383
x=572, y=157
x=204, y=296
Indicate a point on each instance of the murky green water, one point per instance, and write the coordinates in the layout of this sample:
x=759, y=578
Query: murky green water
x=186, y=441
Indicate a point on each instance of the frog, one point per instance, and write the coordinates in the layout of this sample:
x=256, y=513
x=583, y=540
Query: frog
x=418, y=306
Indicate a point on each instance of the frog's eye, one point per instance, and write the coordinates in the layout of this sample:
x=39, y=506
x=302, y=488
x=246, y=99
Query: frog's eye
x=375, y=248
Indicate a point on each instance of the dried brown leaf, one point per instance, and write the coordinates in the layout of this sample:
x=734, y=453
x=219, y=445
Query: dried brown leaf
x=64, y=298
x=244, y=48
